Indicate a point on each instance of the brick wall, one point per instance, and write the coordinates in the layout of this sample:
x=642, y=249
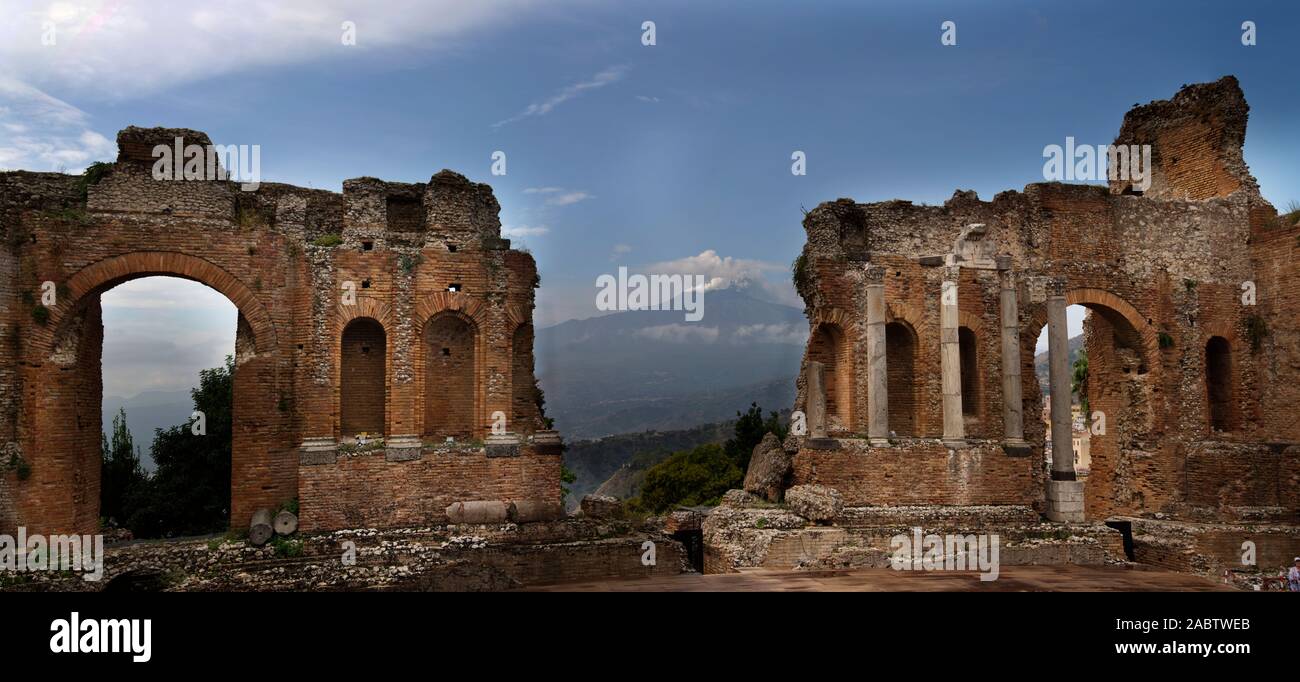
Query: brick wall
x=920, y=472
x=366, y=490
x=1160, y=274
x=402, y=245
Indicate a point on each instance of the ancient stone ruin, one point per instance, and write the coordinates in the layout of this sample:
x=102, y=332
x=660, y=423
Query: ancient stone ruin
x=918, y=380
x=393, y=311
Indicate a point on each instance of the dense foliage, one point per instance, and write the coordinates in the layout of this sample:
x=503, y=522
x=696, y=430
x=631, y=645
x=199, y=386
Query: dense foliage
x=701, y=475
x=189, y=494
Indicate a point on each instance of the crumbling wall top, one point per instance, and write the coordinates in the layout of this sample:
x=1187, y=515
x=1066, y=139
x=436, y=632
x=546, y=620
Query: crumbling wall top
x=1196, y=142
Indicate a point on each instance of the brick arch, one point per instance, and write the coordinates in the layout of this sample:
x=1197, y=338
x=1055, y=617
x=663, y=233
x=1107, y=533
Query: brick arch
x=525, y=416
x=455, y=301
x=1105, y=484
x=340, y=379
x=364, y=307
x=1100, y=298
x=908, y=386
x=517, y=315
x=898, y=311
x=1104, y=302
x=426, y=402
x=105, y=274
x=835, y=316
x=972, y=322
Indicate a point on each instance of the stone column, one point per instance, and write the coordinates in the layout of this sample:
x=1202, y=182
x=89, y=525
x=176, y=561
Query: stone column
x=954, y=428
x=815, y=402
x=1064, y=493
x=877, y=365
x=1013, y=405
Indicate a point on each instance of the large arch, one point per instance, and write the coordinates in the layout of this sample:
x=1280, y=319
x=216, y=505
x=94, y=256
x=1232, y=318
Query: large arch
x=105, y=274
x=1123, y=391
x=66, y=419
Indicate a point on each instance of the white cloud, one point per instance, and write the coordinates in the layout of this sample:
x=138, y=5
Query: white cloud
x=611, y=75
x=646, y=98
x=680, y=333
x=543, y=190
x=787, y=334
x=524, y=230
x=125, y=49
x=619, y=250
x=40, y=132
x=160, y=331
x=568, y=198
x=152, y=293
x=114, y=50
x=770, y=279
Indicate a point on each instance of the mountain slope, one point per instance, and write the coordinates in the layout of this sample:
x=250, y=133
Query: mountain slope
x=146, y=412
x=1040, y=362
x=638, y=370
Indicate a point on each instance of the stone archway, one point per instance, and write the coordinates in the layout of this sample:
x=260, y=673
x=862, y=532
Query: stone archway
x=64, y=424
x=1123, y=390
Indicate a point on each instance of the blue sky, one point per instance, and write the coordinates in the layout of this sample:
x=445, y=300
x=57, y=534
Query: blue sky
x=623, y=154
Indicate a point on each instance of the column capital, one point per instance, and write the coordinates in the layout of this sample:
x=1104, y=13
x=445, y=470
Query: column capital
x=1055, y=286
x=951, y=273
x=875, y=274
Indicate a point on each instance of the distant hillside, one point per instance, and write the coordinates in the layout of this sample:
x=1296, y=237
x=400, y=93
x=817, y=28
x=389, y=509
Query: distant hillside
x=638, y=370
x=1040, y=362
x=596, y=461
x=146, y=412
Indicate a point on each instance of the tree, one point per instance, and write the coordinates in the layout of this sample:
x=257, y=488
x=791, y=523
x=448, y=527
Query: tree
x=1079, y=380
x=689, y=478
x=120, y=475
x=701, y=476
x=748, y=433
x=189, y=494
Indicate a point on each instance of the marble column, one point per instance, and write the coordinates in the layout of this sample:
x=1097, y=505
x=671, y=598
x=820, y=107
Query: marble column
x=1013, y=405
x=815, y=407
x=877, y=364
x=1064, y=493
x=1058, y=363
x=954, y=426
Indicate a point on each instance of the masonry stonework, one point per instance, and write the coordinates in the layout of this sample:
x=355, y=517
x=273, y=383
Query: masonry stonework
x=1170, y=341
x=345, y=302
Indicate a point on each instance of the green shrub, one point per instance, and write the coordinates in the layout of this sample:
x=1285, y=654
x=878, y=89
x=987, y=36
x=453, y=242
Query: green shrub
x=91, y=176
x=286, y=548
x=328, y=240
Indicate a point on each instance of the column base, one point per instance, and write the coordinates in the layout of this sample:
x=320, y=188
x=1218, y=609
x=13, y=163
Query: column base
x=878, y=442
x=956, y=443
x=403, y=448
x=1065, y=501
x=502, y=445
x=319, y=450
